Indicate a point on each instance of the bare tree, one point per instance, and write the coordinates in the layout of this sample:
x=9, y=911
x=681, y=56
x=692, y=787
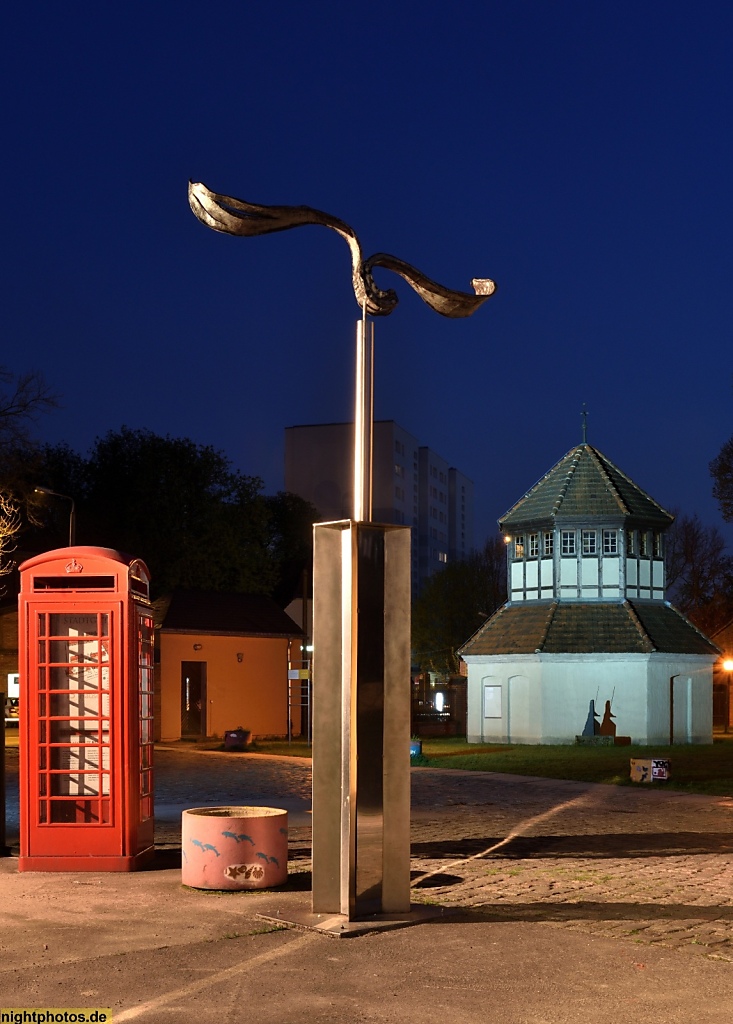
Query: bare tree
x=9, y=526
x=23, y=398
x=699, y=573
x=721, y=470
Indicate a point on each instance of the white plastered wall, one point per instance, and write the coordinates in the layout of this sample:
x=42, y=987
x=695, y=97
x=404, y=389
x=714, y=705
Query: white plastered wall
x=545, y=698
x=680, y=699
x=513, y=685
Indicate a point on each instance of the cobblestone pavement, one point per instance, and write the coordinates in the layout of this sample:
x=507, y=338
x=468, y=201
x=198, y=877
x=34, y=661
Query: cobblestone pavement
x=648, y=865
x=656, y=866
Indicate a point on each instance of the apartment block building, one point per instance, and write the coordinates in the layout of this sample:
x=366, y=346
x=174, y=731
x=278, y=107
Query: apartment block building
x=412, y=485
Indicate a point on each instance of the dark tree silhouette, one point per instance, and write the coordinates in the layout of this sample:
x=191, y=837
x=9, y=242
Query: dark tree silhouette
x=699, y=573
x=721, y=470
x=196, y=521
x=454, y=603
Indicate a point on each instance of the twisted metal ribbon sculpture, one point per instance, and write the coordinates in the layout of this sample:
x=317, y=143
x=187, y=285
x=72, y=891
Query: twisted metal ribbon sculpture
x=236, y=217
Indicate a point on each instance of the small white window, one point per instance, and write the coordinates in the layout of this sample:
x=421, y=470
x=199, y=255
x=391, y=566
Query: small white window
x=534, y=545
x=589, y=542
x=519, y=546
x=549, y=541
x=657, y=545
x=643, y=543
x=610, y=542
x=568, y=542
x=630, y=542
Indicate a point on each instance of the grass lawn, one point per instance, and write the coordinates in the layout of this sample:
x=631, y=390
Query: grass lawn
x=695, y=769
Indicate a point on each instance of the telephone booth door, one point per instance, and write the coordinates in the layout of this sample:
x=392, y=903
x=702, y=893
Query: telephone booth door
x=86, y=659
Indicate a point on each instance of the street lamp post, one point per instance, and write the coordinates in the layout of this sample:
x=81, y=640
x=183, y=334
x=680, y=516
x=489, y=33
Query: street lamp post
x=361, y=618
x=728, y=668
x=72, y=512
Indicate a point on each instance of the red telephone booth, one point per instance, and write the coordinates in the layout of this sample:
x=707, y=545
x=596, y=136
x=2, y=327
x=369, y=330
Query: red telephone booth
x=86, y=712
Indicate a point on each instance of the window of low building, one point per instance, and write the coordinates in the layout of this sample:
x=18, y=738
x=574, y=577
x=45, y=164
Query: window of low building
x=610, y=542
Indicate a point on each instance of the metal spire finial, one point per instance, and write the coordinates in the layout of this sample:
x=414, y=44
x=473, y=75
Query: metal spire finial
x=584, y=417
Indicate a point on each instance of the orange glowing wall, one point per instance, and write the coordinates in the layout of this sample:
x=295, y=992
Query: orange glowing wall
x=251, y=692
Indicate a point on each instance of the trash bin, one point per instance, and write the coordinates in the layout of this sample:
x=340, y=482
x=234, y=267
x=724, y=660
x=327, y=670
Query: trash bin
x=650, y=769
x=236, y=739
x=234, y=847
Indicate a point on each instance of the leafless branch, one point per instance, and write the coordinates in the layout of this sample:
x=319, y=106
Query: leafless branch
x=10, y=521
x=23, y=398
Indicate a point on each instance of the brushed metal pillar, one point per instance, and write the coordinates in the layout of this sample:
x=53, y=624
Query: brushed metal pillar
x=361, y=722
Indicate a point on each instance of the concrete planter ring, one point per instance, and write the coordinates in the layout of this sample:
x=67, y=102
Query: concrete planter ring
x=234, y=847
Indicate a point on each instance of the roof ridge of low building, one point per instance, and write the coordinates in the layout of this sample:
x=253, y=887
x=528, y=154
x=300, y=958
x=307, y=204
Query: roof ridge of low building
x=548, y=625
x=631, y=611
x=692, y=625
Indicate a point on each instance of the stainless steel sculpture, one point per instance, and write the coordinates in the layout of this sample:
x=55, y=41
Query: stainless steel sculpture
x=361, y=621
x=237, y=217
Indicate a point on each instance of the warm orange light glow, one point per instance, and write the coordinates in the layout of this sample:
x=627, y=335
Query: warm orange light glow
x=507, y=539
x=728, y=664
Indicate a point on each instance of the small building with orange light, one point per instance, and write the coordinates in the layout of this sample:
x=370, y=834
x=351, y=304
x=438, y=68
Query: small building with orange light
x=723, y=680
x=224, y=661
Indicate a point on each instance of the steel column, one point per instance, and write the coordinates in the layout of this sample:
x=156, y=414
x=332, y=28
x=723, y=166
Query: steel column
x=361, y=729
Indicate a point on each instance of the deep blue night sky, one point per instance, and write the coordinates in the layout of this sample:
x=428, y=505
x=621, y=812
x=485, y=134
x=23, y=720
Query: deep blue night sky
x=578, y=154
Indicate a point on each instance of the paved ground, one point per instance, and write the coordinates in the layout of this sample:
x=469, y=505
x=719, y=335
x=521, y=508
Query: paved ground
x=567, y=901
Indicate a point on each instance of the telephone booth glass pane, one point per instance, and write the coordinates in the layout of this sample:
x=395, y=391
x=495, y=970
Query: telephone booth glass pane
x=74, y=707
x=145, y=638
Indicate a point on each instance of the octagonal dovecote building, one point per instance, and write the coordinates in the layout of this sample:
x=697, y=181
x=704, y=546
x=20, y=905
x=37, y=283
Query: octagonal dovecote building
x=587, y=643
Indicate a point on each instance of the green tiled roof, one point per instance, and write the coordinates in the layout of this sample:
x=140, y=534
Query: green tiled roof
x=515, y=629
x=556, y=627
x=584, y=484
x=670, y=631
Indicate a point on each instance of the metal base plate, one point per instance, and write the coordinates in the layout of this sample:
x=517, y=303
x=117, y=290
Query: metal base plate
x=338, y=926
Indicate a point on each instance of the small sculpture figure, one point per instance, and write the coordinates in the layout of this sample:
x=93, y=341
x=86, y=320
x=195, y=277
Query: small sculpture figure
x=591, y=724
x=608, y=727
